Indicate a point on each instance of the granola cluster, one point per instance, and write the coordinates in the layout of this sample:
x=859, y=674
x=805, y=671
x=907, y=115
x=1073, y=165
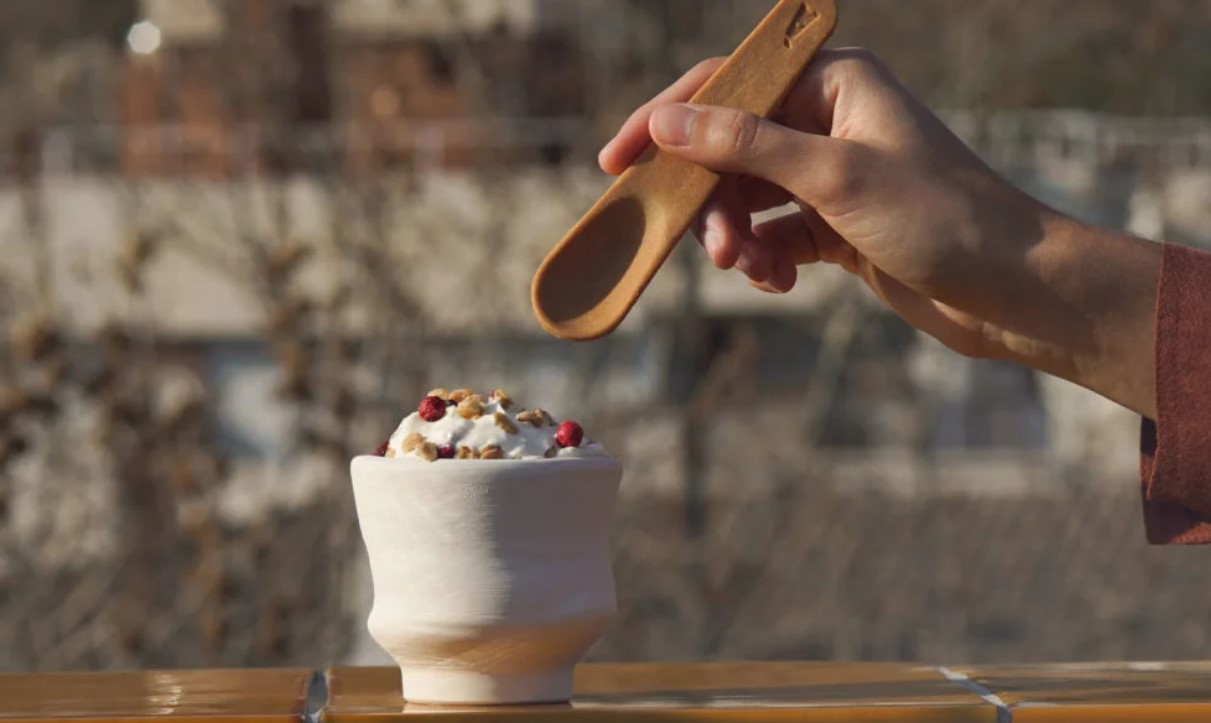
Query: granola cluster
x=464, y=425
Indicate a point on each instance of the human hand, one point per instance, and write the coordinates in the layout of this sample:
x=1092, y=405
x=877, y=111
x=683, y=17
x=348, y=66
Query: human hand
x=887, y=192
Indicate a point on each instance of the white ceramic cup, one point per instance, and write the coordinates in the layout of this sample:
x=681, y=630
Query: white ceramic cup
x=491, y=578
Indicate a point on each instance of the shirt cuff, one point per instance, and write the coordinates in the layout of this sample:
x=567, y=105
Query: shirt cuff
x=1175, y=450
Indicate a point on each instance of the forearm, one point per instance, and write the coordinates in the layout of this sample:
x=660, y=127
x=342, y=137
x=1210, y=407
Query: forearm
x=1098, y=312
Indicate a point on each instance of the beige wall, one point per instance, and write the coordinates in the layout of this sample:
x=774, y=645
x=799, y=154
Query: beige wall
x=444, y=17
x=193, y=21
x=184, y=21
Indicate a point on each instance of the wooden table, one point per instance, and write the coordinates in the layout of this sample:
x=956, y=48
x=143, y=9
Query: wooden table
x=701, y=693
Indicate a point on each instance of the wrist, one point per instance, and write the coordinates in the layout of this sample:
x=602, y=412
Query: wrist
x=1099, y=310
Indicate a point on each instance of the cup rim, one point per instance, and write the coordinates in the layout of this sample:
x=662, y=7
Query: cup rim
x=412, y=462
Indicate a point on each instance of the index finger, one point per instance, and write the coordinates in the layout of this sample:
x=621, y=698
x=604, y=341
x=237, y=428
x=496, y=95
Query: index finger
x=633, y=137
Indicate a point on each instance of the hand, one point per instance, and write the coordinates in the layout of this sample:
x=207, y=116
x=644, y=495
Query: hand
x=887, y=192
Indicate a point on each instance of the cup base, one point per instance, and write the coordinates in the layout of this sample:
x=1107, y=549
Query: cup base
x=428, y=686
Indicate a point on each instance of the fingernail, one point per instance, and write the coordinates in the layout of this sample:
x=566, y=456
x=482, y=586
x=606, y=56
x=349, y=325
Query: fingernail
x=764, y=287
x=673, y=125
x=712, y=239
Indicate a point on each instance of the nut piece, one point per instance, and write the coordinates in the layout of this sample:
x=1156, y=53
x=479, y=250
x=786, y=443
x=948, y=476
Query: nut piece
x=472, y=407
x=538, y=417
x=553, y=452
x=411, y=442
x=389, y=453
x=428, y=452
x=534, y=419
x=458, y=395
x=504, y=399
x=439, y=393
x=465, y=452
x=503, y=421
x=492, y=451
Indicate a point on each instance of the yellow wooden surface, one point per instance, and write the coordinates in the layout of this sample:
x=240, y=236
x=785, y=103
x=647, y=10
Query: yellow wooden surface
x=696, y=692
x=645, y=693
x=1103, y=692
x=269, y=696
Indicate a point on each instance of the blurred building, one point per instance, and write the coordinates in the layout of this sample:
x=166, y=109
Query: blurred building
x=240, y=120
x=270, y=101
x=273, y=85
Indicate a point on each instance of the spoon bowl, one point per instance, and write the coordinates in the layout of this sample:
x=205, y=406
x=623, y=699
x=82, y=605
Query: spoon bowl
x=577, y=284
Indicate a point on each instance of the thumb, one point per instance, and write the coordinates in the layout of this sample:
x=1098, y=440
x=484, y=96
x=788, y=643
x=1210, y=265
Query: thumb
x=814, y=168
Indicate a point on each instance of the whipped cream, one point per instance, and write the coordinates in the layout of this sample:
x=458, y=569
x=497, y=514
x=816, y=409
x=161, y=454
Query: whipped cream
x=519, y=434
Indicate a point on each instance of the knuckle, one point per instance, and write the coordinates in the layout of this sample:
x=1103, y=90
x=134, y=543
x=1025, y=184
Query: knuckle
x=861, y=62
x=862, y=55
x=736, y=133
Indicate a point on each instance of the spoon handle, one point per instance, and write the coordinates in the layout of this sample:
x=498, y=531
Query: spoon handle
x=756, y=78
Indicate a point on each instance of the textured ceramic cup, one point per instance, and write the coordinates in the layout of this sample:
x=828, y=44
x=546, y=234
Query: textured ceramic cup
x=491, y=578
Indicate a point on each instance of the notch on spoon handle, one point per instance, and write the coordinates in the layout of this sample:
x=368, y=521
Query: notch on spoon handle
x=592, y=279
x=757, y=77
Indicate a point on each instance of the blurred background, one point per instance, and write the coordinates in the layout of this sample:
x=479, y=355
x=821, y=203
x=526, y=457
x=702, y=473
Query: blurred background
x=240, y=238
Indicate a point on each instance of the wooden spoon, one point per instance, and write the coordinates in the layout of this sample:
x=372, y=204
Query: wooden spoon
x=592, y=279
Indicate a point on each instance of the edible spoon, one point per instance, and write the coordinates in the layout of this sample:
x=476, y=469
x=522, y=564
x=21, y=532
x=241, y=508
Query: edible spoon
x=594, y=276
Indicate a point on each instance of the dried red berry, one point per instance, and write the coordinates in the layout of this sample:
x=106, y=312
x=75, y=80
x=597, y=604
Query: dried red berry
x=382, y=449
x=432, y=409
x=570, y=434
x=446, y=452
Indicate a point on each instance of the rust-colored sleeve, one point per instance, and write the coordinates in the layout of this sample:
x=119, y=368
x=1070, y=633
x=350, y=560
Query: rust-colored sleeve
x=1175, y=459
